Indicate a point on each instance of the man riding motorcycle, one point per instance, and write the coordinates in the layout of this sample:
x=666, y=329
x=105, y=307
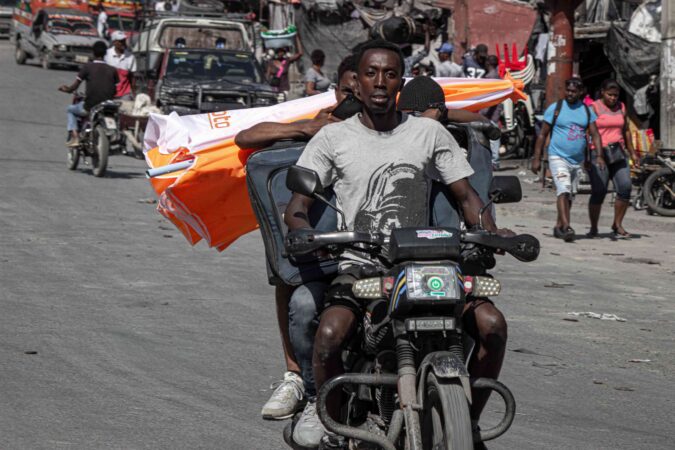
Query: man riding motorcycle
x=380, y=164
x=101, y=85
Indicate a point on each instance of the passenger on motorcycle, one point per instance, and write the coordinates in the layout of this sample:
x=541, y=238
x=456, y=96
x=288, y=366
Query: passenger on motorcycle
x=380, y=164
x=119, y=57
x=101, y=86
x=289, y=395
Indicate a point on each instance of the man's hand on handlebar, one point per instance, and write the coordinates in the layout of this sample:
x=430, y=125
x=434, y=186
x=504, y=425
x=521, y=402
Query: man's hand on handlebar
x=66, y=89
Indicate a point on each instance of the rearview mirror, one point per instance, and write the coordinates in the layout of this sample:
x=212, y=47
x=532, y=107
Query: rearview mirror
x=505, y=189
x=303, y=181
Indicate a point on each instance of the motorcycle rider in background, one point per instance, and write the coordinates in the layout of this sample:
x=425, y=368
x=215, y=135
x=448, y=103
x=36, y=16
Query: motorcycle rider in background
x=380, y=164
x=101, y=81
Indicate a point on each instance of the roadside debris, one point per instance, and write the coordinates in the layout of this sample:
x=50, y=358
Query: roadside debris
x=639, y=360
x=555, y=285
x=570, y=319
x=149, y=201
x=641, y=261
x=592, y=315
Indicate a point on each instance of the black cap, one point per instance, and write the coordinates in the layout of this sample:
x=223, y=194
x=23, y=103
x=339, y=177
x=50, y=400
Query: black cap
x=419, y=94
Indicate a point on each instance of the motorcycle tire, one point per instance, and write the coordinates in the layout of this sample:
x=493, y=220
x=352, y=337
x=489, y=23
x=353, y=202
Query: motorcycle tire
x=20, y=55
x=657, y=192
x=99, y=158
x=446, y=423
x=73, y=158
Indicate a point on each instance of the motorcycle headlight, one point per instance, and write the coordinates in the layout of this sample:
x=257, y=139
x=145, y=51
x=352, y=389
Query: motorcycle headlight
x=62, y=48
x=281, y=97
x=432, y=282
x=209, y=98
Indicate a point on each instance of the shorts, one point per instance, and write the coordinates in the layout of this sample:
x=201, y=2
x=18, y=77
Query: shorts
x=565, y=175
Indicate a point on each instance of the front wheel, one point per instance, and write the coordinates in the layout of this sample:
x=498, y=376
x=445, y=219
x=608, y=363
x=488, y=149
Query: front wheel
x=99, y=157
x=446, y=424
x=659, y=192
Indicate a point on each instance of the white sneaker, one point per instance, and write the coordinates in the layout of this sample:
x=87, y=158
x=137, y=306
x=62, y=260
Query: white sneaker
x=309, y=430
x=287, y=398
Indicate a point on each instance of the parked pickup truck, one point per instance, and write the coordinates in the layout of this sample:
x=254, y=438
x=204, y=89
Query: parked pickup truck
x=195, y=81
x=5, y=17
x=56, y=36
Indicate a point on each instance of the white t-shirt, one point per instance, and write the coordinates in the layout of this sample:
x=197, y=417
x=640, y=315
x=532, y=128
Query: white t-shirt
x=102, y=24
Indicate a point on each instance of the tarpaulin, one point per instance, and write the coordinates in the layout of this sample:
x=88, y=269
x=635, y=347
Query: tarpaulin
x=634, y=59
x=208, y=200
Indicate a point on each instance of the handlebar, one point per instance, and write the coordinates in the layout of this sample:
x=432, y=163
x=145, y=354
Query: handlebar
x=307, y=240
x=523, y=247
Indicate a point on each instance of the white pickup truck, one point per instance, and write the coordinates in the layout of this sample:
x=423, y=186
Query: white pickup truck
x=55, y=36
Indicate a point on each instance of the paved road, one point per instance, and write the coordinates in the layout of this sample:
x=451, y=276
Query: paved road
x=115, y=333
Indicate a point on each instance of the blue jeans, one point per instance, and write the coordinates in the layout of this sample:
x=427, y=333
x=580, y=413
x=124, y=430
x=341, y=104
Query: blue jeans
x=494, y=148
x=304, y=310
x=74, y=111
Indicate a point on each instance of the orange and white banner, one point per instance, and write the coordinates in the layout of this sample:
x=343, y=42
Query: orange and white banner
x=208, y=199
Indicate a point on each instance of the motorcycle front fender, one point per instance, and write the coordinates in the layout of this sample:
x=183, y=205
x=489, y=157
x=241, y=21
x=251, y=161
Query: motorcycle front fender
x=444, y=365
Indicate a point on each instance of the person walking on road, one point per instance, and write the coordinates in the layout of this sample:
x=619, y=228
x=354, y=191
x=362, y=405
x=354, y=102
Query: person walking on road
x=119, y=57
x=447, y=67
x=567, y=121
x=616, y=139
x=102, y=21
x=315, y=80
x=101, y=81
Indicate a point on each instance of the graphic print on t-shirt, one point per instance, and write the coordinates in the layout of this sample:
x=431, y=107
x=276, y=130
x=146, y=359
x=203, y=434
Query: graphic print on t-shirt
x=396, y=197
x=576, y=132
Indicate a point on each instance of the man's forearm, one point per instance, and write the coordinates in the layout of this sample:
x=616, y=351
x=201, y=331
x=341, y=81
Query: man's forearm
x=538, y=146
x=296, y=215
x=471, y=207
x=462, y=116
x=268, y=133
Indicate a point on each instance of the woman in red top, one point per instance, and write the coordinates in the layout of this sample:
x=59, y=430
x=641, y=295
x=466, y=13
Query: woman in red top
x=613, y=128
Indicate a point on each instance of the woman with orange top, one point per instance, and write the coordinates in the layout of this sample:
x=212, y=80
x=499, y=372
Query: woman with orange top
x=613, y=128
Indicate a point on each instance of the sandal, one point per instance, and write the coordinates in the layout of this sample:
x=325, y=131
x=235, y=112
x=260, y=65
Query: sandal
x=592, y=233
x=624, y=235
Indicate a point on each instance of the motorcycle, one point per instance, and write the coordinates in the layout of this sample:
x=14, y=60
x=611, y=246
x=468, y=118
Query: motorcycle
x=655, y=181
x=406, y=380
x=99, y=136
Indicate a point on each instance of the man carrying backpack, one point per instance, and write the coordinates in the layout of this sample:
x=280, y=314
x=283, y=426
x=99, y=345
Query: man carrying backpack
x=568, y=121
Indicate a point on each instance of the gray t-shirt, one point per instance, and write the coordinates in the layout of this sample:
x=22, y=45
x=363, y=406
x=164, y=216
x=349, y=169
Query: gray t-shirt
x=321, y=83
x=450, y=69
x=382, y=180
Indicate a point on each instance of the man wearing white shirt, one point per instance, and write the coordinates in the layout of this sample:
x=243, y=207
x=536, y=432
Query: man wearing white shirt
x=119, y=57
x=102, y=22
